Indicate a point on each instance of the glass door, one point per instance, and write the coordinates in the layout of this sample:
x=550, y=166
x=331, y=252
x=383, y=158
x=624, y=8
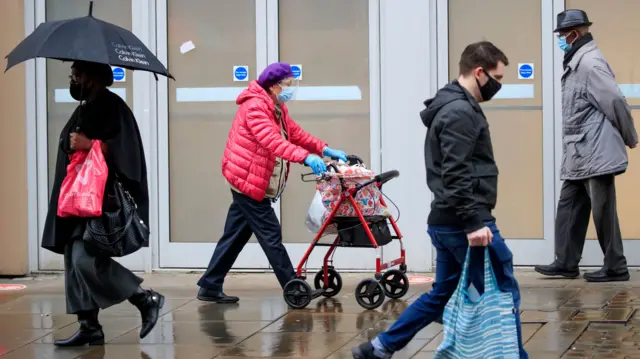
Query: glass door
x=520, y=117
x=329, y=42
x=55, y=105
x=213, y=56
x=613, y=26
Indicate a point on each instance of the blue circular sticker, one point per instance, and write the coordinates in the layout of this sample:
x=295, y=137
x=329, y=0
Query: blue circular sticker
x=297, y=71
x=240, y=73
x=118, y=74
x=526, y=71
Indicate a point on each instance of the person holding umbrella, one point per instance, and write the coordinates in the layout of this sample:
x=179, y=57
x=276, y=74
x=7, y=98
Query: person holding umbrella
x=262, y=142
x=92, y=281
x=96, y=282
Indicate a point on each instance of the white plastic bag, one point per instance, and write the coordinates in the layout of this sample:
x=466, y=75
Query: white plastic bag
x=316, y=213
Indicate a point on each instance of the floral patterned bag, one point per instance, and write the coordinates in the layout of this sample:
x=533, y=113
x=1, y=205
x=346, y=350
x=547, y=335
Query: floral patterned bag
x=368, y=198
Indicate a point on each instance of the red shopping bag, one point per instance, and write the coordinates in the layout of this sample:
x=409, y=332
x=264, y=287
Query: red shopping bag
x=82, y=190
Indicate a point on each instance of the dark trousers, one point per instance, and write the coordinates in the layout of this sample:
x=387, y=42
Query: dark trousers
x=92, y=282
x=577, y=200
x=246, y=217
x=451, y=248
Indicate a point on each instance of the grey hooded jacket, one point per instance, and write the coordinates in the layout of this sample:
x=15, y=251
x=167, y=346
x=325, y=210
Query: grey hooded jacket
x=597, y=122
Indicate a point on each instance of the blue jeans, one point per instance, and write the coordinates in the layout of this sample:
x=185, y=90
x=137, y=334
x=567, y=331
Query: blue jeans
x=451, y=247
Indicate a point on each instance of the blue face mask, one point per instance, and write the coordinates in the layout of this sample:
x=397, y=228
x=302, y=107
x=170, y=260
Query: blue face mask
x=562, y=43
x=285, y=95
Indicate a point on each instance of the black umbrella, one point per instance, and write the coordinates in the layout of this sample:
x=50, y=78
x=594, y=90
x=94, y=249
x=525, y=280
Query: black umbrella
x=87, y=39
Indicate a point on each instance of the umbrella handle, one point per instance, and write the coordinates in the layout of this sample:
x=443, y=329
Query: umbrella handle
x=91, y=8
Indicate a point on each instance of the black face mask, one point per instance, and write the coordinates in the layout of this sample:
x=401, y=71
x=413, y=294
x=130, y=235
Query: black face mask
x=489, y=89
x=78, y=92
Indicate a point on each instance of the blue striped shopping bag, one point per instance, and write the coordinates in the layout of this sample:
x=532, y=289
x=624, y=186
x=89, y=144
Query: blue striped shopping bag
x=480, y=328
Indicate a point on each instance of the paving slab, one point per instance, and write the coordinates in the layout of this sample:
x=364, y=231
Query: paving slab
x=561, y=319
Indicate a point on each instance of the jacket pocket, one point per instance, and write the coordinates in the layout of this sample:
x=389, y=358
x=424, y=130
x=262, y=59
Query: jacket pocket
x=572, y=145
x=575, y=157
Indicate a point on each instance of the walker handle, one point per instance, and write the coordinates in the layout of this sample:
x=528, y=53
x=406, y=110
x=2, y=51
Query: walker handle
x=382, y=178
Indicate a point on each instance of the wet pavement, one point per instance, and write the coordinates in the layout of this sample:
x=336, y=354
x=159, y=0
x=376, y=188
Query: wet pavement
x=561, y=319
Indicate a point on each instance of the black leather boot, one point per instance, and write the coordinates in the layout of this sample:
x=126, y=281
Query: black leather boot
x=90, y=332
x=149, y=303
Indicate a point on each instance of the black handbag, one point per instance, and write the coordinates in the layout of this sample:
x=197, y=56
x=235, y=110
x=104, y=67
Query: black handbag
x=119, y=231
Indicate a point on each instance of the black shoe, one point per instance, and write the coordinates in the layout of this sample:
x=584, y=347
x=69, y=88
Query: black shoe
x=210, y=295
x=90, y=332
x=149, y=303
x=364, y=351
x=601, y=276
x=554, y=270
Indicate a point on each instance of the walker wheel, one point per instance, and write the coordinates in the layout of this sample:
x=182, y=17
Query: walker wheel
x=369, y=294
x=335, y=282
x=395, y=283
x=297, y=293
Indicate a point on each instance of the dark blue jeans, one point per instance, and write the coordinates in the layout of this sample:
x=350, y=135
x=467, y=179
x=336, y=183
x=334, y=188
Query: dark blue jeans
x=451, y=247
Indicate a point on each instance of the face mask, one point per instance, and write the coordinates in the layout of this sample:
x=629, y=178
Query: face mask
x=562, y=43
x=490, y=88
x=78, y=92
x=285, y=95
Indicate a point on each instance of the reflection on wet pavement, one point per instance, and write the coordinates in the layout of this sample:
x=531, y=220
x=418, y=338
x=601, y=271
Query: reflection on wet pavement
x=561, y=319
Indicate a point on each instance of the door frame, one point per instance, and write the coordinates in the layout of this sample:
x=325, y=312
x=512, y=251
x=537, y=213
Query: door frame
x=42, y=259
x=526, y=252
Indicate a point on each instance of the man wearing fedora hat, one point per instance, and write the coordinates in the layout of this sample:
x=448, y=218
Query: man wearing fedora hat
x=597, y=125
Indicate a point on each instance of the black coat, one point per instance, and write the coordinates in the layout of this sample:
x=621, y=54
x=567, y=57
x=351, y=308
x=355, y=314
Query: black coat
x=109, y=119
x=461, y=170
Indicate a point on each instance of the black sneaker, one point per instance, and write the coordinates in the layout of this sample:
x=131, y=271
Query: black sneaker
x=364, y=351
x=554, y=270
x=209, y=295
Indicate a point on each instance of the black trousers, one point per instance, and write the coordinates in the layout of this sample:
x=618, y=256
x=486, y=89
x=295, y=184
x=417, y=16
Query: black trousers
x=93, y=283
x=577, y=200
x=246, y=217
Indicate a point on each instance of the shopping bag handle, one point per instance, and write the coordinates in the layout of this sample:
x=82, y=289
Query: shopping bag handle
x=490, y=283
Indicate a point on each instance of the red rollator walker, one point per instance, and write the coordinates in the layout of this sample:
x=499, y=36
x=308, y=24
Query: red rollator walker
x=357, y=231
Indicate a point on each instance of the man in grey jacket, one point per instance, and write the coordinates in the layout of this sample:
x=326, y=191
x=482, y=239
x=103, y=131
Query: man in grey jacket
x=597, y=125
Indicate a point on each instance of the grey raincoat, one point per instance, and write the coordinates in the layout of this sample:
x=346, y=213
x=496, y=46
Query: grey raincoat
x=597, y=122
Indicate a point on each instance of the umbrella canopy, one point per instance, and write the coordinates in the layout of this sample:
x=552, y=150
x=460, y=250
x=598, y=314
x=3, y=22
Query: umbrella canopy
x=87, y=39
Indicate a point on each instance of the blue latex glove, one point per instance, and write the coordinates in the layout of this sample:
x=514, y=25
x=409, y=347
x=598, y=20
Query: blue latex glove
x=334, y=154
x=316, y=163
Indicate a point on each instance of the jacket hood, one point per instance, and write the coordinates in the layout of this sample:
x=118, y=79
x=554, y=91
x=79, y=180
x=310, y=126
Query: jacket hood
x=254, y=91
x=450, y=92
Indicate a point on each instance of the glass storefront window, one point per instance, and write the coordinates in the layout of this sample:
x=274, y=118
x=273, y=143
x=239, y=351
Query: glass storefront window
x=224, y=35
x=515, y=123
x=330, y=39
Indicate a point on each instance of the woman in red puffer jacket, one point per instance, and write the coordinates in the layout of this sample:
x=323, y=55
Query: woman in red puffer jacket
x=263, y=141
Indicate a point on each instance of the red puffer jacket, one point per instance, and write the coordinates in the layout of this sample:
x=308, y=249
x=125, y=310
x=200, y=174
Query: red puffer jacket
x=255, y=140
